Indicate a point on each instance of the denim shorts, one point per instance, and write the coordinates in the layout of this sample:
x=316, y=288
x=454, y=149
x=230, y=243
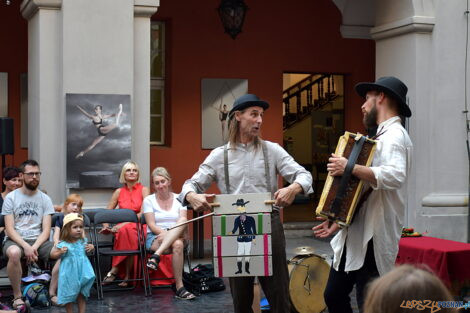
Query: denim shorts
x=150, y=238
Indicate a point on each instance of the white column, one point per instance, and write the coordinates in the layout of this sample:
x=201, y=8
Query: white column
x=422, y=43
x=45, y=114
x=86, y=46
x=143, y=10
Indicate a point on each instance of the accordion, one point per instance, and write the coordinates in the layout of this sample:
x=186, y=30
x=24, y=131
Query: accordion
x=341, y=194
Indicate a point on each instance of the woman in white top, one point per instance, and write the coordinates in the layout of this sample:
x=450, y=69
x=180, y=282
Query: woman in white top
x=163, y=210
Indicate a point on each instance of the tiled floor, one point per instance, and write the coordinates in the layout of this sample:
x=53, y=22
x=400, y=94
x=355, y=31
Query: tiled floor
x=163, y=301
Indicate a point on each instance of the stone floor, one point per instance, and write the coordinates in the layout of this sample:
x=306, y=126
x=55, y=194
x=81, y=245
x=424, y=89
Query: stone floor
x=162, y=299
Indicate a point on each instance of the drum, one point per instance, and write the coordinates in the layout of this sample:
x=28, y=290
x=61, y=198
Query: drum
x=307, y=282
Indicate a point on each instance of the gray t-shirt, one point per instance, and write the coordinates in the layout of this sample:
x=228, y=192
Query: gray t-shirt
x=28, y=212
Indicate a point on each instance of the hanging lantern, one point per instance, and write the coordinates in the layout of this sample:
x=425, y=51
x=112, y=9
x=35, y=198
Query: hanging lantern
x=232, y=14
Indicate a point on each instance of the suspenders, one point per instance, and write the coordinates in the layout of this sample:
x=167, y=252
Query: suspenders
x=266, y=167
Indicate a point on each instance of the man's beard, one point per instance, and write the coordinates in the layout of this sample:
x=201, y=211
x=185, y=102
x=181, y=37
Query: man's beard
x=33, y=185
x=370, y=118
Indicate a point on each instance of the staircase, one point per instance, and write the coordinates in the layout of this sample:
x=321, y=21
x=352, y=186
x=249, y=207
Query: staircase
x=314, y=102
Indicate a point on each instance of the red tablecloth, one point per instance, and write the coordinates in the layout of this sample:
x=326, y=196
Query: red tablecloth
x=450, y=260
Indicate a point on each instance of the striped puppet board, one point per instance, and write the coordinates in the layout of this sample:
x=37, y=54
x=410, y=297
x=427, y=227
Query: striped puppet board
x=241, y=229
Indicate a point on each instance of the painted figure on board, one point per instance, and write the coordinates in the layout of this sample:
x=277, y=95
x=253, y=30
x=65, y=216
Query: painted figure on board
x=246, y=235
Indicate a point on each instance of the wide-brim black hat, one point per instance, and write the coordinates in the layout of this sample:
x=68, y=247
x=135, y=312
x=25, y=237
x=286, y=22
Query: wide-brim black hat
x=391, y=86
x=246, y=101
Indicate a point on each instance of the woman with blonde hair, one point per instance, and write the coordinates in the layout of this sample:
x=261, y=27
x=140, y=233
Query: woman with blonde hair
x=129, y=196
x=407, y=289
x=162, y=210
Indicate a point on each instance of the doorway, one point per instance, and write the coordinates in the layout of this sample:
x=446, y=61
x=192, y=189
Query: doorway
x=313, y=120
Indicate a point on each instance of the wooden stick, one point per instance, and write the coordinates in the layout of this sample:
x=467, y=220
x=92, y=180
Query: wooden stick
x=213, y=205
x=190, y=221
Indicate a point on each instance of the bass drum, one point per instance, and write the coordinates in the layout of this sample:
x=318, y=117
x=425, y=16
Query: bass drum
x=308, y=278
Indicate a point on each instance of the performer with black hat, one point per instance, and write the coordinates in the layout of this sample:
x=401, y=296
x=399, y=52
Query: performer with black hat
x=247, y=164
x=369, y=246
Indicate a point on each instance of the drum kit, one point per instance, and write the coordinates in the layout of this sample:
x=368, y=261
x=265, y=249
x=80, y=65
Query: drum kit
x=308, y=275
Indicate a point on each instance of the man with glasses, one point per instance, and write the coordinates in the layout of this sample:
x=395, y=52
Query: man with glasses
x=27, y=212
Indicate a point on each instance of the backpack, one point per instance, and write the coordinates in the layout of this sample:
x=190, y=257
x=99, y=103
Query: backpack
x=200, y=279
x=37, y=295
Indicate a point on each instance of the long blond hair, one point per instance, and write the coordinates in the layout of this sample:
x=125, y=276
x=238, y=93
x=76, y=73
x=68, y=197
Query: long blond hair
x=405, y=283
x=234, y=131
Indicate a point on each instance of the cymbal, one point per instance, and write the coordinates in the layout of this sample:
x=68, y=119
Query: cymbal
x=303, y=250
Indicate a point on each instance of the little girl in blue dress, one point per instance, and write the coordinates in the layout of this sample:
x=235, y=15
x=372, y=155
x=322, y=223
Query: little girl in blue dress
x=76, y=275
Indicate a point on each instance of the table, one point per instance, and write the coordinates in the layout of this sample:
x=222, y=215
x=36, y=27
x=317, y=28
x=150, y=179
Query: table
x=450, y=260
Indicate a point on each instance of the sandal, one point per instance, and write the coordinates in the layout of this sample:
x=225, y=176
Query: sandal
x=123, y=284
x=153, y=261
x=183, y=294
x=109, y=278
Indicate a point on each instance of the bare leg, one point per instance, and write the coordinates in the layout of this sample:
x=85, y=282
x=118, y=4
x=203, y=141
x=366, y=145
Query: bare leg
x=118, y=116
x=170, y=238
x=177, y=249
x=93, y=144
x=223, y=130
x=107, y=129
x=81, y=303
x=129, y=264
x=14, y=270
x=54, y=279
x=69, y=307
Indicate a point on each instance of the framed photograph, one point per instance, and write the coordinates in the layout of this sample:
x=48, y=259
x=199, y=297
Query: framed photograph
x=217, y=97
x=98, y=139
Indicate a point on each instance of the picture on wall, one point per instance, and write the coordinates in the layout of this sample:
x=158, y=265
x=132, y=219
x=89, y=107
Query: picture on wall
x=98, y=139
x=217, y=97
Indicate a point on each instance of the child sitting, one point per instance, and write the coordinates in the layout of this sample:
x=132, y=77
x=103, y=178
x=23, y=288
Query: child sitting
x=76, y=274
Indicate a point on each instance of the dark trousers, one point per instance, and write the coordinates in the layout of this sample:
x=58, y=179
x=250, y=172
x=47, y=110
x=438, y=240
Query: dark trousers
x=276, y=287
x=340, y=283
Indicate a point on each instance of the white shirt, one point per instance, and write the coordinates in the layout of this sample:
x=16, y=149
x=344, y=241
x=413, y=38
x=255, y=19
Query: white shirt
x=163, y=218
x=246, y=168
x=381, y=216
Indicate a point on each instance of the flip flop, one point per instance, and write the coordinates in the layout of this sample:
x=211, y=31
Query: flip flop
x=109, y=278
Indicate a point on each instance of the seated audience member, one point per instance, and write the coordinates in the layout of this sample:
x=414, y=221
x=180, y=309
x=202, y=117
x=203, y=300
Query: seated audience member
x=163, y=210
x=12, y=181
x=129, y=196
x=27, y=212
x=73, y=204
x=399, y=291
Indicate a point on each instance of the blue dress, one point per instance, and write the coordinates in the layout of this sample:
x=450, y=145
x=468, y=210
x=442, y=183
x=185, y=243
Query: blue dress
x=76, y=274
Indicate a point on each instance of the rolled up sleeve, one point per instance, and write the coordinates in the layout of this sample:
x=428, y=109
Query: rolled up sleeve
x=200, y=181
x=392, y=173
x=292, y=171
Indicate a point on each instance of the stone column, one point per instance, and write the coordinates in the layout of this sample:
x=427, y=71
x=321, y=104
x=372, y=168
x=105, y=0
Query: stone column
x=86, y=46
x=143, y=10
x=422, y=42
x=45, y=107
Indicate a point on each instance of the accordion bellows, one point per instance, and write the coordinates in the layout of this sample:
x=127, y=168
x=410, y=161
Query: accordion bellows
x=347, y=207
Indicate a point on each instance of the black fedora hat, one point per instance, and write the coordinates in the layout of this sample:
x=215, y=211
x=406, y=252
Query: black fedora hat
x=391, y=86
x=240, y=202
x=246, y=101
